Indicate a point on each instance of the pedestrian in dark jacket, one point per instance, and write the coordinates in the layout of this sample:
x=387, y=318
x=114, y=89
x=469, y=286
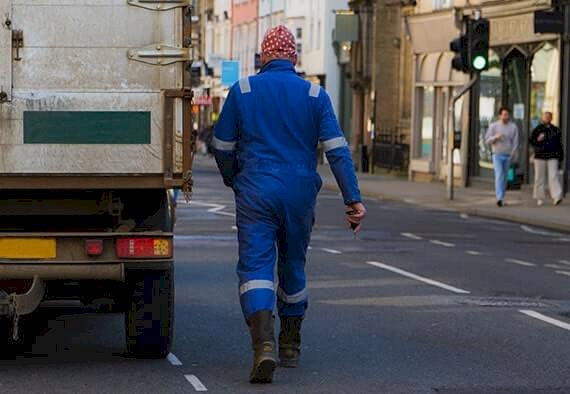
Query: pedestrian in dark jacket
x=546, y=140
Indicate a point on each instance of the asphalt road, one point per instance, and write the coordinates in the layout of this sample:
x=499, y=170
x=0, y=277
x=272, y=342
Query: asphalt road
x=421, y=302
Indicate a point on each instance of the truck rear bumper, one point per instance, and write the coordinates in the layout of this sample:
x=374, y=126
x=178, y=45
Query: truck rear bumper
x=48, y=271
x=108, y=271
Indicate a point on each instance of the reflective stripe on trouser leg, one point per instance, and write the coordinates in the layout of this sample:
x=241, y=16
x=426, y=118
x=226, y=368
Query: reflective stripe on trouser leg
x=257, y=295
x=257, y=253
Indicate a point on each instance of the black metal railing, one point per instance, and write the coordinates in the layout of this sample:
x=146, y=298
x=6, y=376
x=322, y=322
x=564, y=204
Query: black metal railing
x=389, y=151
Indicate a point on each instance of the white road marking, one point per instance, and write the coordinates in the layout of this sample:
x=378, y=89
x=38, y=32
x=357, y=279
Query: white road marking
x=520, y=262
x=196, y=383
x=563, y=273
x=564, y=262
x=441, y=243
x=546, y=319
x=473, y=253
x=412, y=236
x=217, y=209
x=172, y=359
x=310, y=248
x=556, y=266
x=234, y=228
x=535, y=231
x=417, y=277
x=331, y=251
x=464, y=216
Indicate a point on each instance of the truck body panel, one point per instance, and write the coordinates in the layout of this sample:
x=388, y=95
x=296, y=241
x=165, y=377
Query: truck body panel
x=74, y=62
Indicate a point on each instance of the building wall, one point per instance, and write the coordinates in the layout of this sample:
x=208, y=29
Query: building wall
x=319, y=58
x=387, y=66
x=245, y=34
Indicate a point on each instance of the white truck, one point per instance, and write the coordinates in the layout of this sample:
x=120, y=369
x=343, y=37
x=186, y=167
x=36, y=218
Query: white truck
x=95, y=129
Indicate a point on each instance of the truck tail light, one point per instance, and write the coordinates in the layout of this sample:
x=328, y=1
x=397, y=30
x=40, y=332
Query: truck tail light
x=147, y=248
x=94, y=247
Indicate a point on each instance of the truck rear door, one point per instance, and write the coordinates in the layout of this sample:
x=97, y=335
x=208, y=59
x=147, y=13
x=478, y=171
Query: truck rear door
x=91, y=86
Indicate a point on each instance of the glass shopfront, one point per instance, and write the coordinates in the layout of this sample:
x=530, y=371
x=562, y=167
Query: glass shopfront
x=525, y=79
x=490, y=98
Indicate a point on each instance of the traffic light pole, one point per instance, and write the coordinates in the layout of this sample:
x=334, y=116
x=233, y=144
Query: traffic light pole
x=566, y=91
x=451, y=143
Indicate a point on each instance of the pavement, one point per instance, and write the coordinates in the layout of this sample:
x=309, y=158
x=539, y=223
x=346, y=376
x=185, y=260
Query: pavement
x=422, y=301
x=520, y=207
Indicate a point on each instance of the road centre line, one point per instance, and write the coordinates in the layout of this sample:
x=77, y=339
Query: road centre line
x=196, y=383
x=546, y=319
x=564, y=262
x=473, y=253
x=563, y=273
x=441, y=243
x=172, y=359
x=417, y=277
x=411, y=236
x=331, y=251
x=520, y=262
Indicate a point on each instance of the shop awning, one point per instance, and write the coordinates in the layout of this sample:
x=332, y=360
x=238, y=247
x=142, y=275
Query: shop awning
x=435, y=69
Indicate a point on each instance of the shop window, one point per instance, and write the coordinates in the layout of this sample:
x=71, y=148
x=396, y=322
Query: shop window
x=440, y=4
x=489, y=103
x=426, y=122
x=545, y=83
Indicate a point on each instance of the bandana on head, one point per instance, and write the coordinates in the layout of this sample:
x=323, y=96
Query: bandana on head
x=279, y=43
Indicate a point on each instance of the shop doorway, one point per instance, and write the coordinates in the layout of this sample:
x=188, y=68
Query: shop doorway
x=516, y=93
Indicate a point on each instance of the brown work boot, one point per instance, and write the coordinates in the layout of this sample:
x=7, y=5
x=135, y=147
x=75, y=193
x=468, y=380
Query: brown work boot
x=290, y=341
x=263, y=343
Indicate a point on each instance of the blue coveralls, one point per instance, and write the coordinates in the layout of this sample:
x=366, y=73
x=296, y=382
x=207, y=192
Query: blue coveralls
x=266, y=148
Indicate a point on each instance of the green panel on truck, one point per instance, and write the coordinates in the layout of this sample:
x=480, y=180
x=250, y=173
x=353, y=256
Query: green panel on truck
x=86, y=127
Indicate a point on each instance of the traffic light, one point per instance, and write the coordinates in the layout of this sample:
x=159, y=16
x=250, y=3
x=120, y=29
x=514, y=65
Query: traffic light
x=472, y=48
x=460, y=47
x=478, y=31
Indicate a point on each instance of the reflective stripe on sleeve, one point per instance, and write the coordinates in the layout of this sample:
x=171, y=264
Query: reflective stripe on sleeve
x=315, y=90
x=244, y=86
x=256, y=284
x=224, y=145
x=292, y=298
x=334, y=143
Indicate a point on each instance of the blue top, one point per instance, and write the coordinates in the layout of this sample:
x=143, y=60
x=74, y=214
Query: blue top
x=276, y=118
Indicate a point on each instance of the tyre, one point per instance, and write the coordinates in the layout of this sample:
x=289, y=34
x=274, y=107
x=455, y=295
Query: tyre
x=149, y=319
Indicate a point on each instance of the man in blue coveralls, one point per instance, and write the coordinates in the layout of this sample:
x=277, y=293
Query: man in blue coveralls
x=266, y=148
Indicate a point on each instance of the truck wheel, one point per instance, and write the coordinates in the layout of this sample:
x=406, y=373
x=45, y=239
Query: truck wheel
x=149, y=320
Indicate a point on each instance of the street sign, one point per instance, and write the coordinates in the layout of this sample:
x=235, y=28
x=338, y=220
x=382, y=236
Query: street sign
x=230, y=72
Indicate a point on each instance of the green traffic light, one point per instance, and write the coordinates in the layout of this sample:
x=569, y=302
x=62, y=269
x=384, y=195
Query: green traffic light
x=479, y=63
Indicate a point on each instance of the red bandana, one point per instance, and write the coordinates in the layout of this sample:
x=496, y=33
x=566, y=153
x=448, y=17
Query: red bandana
x=279, y=43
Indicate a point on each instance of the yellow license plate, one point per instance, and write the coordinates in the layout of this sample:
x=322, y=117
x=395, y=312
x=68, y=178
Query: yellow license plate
x=27, y=248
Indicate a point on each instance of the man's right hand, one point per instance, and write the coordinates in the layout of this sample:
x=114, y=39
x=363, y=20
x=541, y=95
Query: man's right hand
x=498, y=137
x=355, y=214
